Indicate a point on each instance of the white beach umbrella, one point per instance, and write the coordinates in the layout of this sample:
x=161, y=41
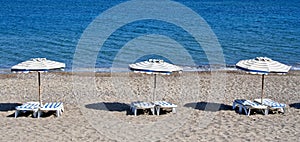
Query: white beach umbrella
x=263, y=66
x=155, y=66
x=37, y=65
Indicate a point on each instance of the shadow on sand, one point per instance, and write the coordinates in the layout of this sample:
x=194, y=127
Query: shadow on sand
x=208, y=106
x=110, y=106
x=295, y=105
x=8, y=106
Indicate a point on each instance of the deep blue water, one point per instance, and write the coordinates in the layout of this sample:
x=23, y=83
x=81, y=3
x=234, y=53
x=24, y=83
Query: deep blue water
x=244, y=28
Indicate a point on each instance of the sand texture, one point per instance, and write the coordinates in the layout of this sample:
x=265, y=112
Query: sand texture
x=97, y=107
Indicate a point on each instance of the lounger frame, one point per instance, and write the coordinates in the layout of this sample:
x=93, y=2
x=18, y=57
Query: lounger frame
x=272, y=105
x=163, y=104
x=58, y=107
x=248, y=105
x=134, y=106
x=28, y=106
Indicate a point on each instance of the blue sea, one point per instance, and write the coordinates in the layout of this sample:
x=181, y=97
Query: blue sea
x=54, y=28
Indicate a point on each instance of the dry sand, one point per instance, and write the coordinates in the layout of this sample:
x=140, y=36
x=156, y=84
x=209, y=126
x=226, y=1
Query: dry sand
x=97, y=107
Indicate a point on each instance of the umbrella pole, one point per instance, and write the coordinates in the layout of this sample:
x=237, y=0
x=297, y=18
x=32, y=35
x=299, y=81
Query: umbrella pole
x=262, y=88
x=154, y=86
x=39, y=80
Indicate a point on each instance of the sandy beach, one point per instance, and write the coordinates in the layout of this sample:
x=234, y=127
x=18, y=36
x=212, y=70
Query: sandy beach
x=97, y=107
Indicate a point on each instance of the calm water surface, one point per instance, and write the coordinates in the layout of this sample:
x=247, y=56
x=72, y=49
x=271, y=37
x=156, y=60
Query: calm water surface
x=244, y=28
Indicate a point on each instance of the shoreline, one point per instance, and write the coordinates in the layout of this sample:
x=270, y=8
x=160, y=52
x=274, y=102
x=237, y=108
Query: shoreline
x=229, y=70
x=109, y=74
x=121, y=70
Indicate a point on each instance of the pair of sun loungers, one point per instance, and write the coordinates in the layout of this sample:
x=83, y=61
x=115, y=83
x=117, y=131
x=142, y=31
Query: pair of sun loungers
x=265, y=106
x=155, y=106
x=38, y=110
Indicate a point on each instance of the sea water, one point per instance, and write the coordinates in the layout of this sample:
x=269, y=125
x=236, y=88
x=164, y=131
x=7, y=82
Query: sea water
x=244, y=29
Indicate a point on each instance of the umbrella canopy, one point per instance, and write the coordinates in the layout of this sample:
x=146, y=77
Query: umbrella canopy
x=263, y=66
x=38, y=65
x=155, y=66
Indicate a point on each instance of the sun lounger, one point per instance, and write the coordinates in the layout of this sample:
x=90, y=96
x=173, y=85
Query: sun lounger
x=56, y=106
x=164, y=104
x=272, y=105
x=141, y=105
x=29, y=106
x=248, y=105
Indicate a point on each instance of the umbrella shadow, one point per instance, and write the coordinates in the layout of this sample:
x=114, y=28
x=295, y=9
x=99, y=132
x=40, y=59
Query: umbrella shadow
x=12, y=107
x=295, y=105
x=8, y=106
x=110, y=106
x=208, y=106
